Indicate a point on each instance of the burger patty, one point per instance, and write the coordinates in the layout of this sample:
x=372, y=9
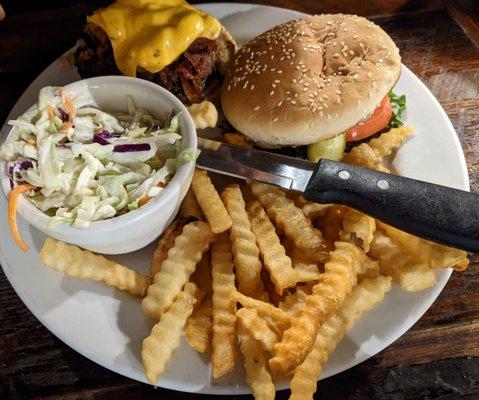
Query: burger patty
x=190, y=77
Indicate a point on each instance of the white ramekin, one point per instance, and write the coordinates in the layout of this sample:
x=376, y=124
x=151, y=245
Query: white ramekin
x=140, y=227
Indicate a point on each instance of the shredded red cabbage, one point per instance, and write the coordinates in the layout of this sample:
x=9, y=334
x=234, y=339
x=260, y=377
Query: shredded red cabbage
x=15, y=167
x=126, y=148
x=104, y=136
x=63, y=115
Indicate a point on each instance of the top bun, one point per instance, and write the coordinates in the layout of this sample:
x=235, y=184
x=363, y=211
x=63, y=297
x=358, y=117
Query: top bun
x=309, y=80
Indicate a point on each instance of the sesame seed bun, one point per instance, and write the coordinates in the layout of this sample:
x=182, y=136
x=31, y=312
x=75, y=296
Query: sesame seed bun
x=309, y=80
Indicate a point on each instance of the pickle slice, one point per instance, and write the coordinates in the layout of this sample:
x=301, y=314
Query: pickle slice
x=332, y=149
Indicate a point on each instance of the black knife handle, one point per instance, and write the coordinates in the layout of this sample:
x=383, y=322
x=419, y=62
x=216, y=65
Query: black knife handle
x=434, y=212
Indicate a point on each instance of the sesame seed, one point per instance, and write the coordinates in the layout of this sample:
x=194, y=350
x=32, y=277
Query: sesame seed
x=275, y=119
x=256, y=108
x=279, y=103
x=271, y=93
x=293, y=102
x=252, y=87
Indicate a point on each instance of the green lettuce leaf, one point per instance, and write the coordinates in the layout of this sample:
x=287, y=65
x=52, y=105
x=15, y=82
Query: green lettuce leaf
x=398, y=105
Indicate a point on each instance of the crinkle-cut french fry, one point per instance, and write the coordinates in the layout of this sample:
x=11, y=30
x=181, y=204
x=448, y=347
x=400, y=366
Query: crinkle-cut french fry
x=166, y=334
x=331, y=223
x=289, y=218
x=393, y=261
x=434, y=254
x=275, y=259
x=369, y=269
x=310, y=209
x=304, y=381
x=304, y=265
x=363, y=297
x=177, y=268
x=202, y=275
x=223, y=358
x=372, y=153
x=255, y=363
x=263, y=293
x=190, y=207
x=167, y=241
x=258, y=327
x=243, y=241
x=210, y=202
x=263, y=308
x=296, y=300
x=80, y=263
x=199, y=327
x=272, y=297
x=358, y=228
x=204, y=114
x=315, y=210
x=334, y=285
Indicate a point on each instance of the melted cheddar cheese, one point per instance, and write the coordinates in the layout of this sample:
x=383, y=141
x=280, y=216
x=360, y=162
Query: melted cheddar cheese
x=152, y=33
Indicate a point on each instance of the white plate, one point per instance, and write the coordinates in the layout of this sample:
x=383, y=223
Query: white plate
x=108, y=326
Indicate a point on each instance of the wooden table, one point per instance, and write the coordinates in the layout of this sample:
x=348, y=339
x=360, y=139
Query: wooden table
x=438, y=358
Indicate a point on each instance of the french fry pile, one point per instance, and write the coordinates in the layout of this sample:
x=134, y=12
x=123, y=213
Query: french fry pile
x=255, y=270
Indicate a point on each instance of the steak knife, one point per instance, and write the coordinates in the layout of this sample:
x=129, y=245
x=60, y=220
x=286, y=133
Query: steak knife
x=434, y=212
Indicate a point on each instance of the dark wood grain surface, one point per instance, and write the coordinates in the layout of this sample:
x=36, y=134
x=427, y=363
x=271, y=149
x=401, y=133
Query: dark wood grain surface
x=437, y=359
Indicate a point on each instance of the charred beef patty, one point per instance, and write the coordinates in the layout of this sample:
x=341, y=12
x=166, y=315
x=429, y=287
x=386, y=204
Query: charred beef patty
x=191, y=77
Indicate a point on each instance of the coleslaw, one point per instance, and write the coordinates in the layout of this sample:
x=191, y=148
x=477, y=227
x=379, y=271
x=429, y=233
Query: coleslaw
x=83, y=164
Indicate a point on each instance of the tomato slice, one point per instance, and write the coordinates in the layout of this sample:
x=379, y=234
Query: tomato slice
x=377, y=121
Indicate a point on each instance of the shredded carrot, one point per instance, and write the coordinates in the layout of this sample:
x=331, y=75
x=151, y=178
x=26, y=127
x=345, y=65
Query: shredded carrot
x=70, y=110
x=68, y=104
x=143, y=200
x=65, y=127
x=32, y=142
x=12, y=214
x=50, y=112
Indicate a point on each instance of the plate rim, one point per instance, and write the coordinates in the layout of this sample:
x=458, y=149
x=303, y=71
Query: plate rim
x=236, y=390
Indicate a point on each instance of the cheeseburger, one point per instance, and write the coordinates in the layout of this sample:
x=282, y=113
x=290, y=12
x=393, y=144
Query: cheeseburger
x=168, y=42
x=319, y=81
